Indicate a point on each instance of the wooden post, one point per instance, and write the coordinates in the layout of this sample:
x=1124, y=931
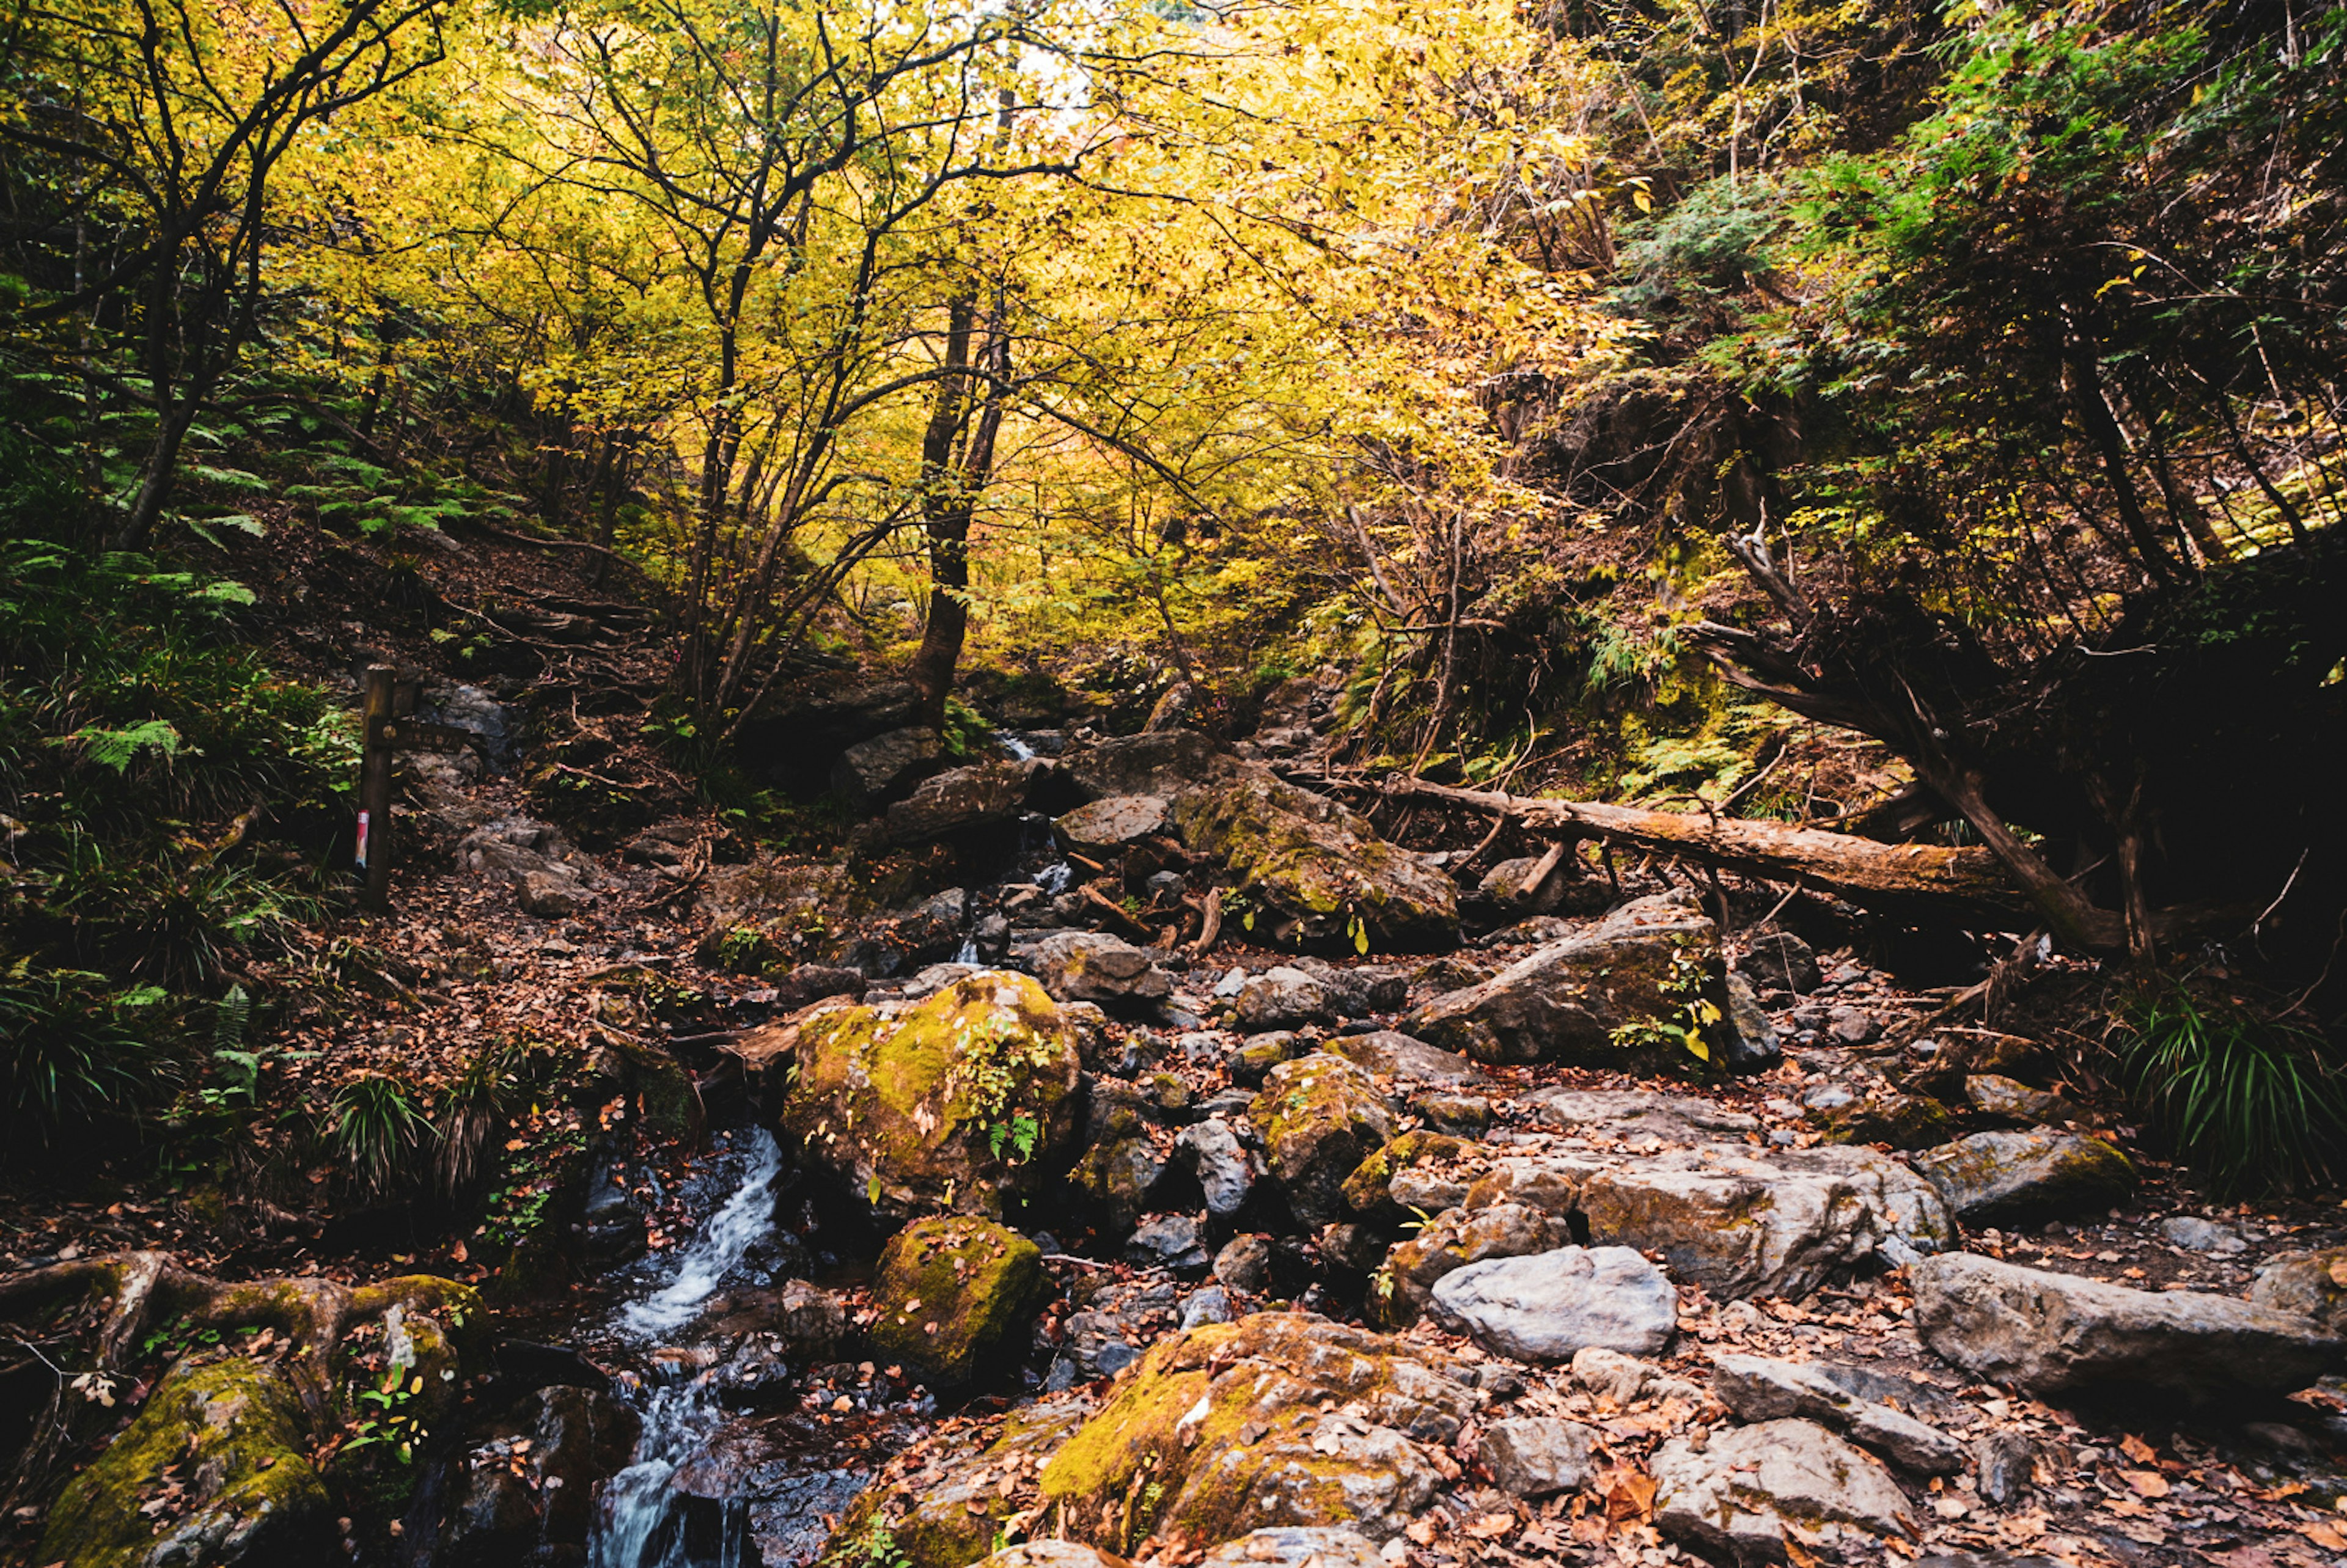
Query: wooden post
x=374, y=787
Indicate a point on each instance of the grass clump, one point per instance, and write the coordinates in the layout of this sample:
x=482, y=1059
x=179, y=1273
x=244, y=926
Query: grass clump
x=2252, y=1102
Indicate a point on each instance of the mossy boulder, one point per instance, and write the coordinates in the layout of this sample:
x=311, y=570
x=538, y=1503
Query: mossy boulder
x=1319, y=1117
x=1279, y=1418
x=943, y=1502
x=1997, y=1176
x=1901, y=1121
x=1322, y=878
x=239, y=1487
x=1369, y=1191
x=959, y=1103
x=952, y=1289
x=1624, y=995
x=1455, y=1238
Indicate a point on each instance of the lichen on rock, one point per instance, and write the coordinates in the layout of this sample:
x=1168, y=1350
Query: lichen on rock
x=950, y=1290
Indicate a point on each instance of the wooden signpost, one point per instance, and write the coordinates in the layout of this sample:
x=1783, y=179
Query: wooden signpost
x=386, y=707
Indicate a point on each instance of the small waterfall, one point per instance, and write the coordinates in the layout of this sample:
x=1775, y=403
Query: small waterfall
x=967, y=952
x=1054, y=878
x=1020, y=750
x=643, y=1521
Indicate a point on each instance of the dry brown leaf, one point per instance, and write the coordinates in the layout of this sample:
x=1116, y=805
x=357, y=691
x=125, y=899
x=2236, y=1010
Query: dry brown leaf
x=2323, y=1535
x=2146, y=1482
x=1629, y=1494
x=1420, y=1529
x=2136, y=1449
x=1490, y=1526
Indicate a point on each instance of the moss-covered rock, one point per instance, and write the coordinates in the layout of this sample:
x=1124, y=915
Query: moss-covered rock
x=1279, y=1419
x=1993, y=1176
x=1117, y=1177
x=1318, y=872
x=1320, y=1116
x=1369, y=1191
x=214, y=1470
x=1455, y=1238
x=943, y=1502
x=958, y=1104
x=1901, y=1121
x=950, y=1290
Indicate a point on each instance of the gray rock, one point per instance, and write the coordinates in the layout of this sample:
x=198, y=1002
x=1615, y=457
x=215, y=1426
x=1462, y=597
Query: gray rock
x=1503, y=884
x=1749, y=1489
x=1177, y=1242
x=1092, y=966
x=1612, y=1376
x=1536, y=1456
x=2046, y=1333
x=2004, y=1466
x=1109, y=825
x=1283, y=998
x=2014, y=1104
x=1992, y=1176
x=985, y=794
x=1294, y=1546
x=2194, y=1234
x=1211, y=1150
x=1779, y=961
x=1250, y=1063
x=1157, y=763
x=2310, y=1284
x=1628, y=1113
x=1852, y=1025
x=1318, y=1118
x=1450, y=1241
x=1546, y=1307
x=1759, y=1389
x=1212, y=1304
x=1389, y=1053
x=550, y=878
x=871, y=769
x=1244, y=1265
x=1463, y=1115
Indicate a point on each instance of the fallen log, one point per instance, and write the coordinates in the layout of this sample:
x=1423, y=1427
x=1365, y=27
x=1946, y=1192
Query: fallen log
x=1905, y=878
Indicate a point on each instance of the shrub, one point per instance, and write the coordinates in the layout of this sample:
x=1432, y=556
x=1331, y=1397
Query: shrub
x=2252, y=1102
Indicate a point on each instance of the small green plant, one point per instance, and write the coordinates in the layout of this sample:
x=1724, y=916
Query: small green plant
x=878, y=1547
x=373, y=1125
x=1019, y=1133
x=2253, y=1103
x=394, y=1424
x=73, y=1045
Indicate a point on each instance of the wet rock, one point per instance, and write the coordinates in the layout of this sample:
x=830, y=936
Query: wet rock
x=1279, y=1419
x=1177, y=1242
x=1734, y=1220
x=1092, y=966
x=2014, y=1103
x=508, y=1497
x=2047, y=1333
x=1106, y=826
x=1283, y=998
x=1536, y=1456
x=2194, y=1234
x=1599, y=999
x=1546, y=1307
x=232, y=1431
x=1320, y=869
x=1759, y=1389
x=950, y=1290
x=1631, y=1114
x=2310, y=1285
x=1389, y=1053
x=1448, y=1243
x=1992, y=1176
x=872, y=770
x=1901, y=1121
x=957, y=1101
x=1294, y=1546
x=1254, y=1060
x=1779, y=961
x=810, y=1319
x=1318, y=1118
x=1751, y=1490
x=1210, y=1152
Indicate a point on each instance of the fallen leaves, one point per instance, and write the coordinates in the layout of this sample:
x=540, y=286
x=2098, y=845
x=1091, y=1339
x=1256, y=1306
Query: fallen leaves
x=2146, y=1482
x=2324, y=1535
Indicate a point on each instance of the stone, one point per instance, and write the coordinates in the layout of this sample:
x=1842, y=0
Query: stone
x=1621, y=1379
x=767, y=908
x=1314, y=1546
x=1735, y=1221
x=2194, y=1234
x=1244, y=1264
x=1120, y=1176
x=1852, y=1025
x=1463, y=1115
x=1053, y=1554
x=1251, y=1062
x=951, y=1290
x=1448, y=1243
x=1536, y=1456
x=1389, y=1053
x=942, y=1502
x=1546, y=1307
x=549, y=877
x=1212, y=1304
x=1997, y=1176
x=1161, y=763
x=1450, y=973
x=2004, y=1466
x=1093, y=967
x=1106, y=826
x=1317, y=870
x=2309, y=1285
x=232, y=1430
x=1502, y=886
x=1779, y=961
x=1759, y=1389
x=1630, y=1113
x=874, y=769
x=1279, y=1418
x=531, y=1484
x=1600, y=998
x=984, y=795
x=1750, y=1490
x=955, y=1102
x=1210, y=1152
x=1177, y=1242
x=2046, y=1333
x=1900, y=1119
x=1283, y=998
x=2014, y=1105
x=1318, y=1118
x=1369, y=1191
